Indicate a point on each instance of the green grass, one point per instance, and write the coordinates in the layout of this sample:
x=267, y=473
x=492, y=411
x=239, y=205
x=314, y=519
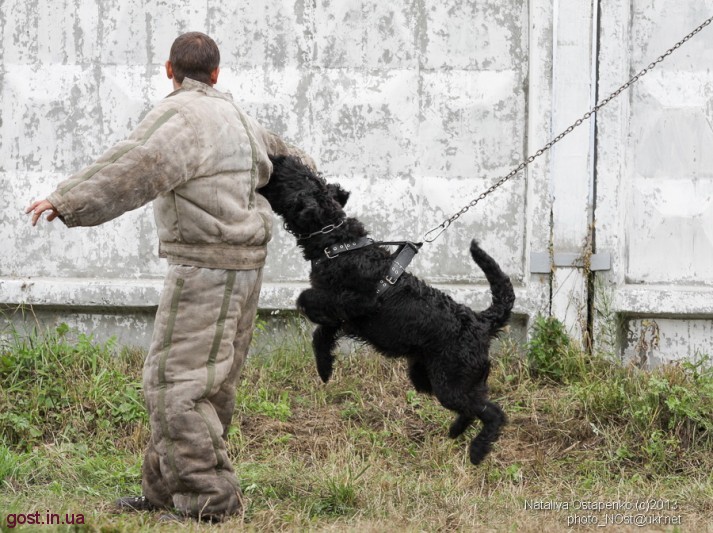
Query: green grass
x=365, y=452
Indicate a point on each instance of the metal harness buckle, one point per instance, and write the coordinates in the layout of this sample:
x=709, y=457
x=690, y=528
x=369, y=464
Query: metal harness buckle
x=405, y=253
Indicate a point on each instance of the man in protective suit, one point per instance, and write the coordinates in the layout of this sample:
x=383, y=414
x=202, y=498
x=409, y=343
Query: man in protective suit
x=201, y=160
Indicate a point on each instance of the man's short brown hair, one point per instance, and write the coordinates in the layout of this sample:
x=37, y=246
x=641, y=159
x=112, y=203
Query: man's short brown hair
x=194, y=55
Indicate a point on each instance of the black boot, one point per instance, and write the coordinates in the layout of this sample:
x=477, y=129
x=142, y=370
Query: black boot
x=135, y=503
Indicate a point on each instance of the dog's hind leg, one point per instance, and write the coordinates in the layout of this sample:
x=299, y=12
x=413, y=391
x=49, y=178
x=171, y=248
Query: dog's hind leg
x=324, y=339
x=493, y=419
x=460, y=424
x=470, y=402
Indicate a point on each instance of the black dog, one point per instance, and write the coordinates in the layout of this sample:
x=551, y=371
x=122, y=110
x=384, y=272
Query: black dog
x=446, y=343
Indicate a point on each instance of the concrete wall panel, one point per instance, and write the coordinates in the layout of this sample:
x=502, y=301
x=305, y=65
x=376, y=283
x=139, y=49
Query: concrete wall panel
x=413, y=106
x=654, y=179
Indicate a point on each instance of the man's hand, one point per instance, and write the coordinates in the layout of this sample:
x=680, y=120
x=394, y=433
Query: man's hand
x=39, y=207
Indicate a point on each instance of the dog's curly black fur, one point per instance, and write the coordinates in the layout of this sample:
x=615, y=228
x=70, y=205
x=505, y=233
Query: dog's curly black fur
x=446, y=343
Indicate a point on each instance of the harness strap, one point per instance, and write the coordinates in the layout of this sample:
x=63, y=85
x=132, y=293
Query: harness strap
x=330, y=252
x=404, y=255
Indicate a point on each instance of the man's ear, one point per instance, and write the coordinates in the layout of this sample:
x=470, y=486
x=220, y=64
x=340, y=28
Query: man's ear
x=169, y=70
x=339, y=194
x=214, y=76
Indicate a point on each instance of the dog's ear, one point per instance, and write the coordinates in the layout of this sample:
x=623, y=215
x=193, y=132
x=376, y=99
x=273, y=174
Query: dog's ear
x=339, y=194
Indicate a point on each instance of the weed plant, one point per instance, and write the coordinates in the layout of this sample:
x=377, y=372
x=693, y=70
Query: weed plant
x=657, y=418
x=60, y=388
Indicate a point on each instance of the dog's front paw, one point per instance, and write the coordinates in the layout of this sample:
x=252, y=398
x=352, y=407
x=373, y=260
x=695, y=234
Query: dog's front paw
x=324, y=368
x=324, y=340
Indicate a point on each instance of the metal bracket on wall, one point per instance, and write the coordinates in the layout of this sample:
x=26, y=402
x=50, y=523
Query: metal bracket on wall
x=544, y=263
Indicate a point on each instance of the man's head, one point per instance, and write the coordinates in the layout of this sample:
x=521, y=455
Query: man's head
x=193, y=55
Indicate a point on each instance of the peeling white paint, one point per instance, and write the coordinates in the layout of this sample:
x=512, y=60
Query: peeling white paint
x=410, y=105
x=652, y=342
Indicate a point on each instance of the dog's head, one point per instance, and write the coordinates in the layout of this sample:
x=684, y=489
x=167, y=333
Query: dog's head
x=302, y=198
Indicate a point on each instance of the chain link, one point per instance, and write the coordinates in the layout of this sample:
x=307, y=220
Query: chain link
x=446, y=223
x=326, y=229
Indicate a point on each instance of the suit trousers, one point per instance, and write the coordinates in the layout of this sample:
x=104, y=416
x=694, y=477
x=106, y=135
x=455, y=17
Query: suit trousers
x=201, y=336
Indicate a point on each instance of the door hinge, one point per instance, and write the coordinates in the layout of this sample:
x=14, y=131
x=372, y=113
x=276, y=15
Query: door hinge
x=544, y=263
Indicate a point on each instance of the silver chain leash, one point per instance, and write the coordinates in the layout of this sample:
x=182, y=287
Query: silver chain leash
x=446, y=223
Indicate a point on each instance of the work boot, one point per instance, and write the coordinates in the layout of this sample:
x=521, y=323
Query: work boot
x=135, y=503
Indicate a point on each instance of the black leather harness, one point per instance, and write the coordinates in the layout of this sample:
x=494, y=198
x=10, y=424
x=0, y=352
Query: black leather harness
x=404, y=254
x=330, y=252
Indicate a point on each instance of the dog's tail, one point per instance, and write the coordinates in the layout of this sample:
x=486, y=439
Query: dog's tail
x=500, y=286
